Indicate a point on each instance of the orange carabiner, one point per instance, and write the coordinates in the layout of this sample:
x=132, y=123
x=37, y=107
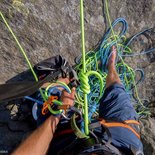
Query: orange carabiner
x=48, y=102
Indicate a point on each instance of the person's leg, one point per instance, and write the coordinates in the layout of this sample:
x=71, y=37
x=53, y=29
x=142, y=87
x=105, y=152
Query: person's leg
x=116, y=106
x=115, y=103
x=112, y=76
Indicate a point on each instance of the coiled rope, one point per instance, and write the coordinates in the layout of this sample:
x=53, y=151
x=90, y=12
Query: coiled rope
x=97, y=60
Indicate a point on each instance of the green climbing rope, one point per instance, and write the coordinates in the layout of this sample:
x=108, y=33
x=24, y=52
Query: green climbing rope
x=83, y=76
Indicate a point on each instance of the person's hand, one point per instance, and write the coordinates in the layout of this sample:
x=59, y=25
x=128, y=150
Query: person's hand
x=67, y=98
x=64, y=80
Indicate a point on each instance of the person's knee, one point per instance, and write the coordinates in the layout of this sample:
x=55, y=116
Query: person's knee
x=116, y=103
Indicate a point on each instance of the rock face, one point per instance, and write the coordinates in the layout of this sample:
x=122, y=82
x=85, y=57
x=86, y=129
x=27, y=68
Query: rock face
x=148, y=135
x=50, y=27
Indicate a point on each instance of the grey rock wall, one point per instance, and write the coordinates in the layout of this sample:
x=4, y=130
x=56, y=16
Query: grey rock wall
x=50, y=27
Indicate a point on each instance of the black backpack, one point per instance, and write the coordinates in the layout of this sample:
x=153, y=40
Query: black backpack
x=47, y=71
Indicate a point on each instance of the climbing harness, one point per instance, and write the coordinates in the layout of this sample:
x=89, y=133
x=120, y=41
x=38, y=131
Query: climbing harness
x=95, y=143
x=128, y=124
